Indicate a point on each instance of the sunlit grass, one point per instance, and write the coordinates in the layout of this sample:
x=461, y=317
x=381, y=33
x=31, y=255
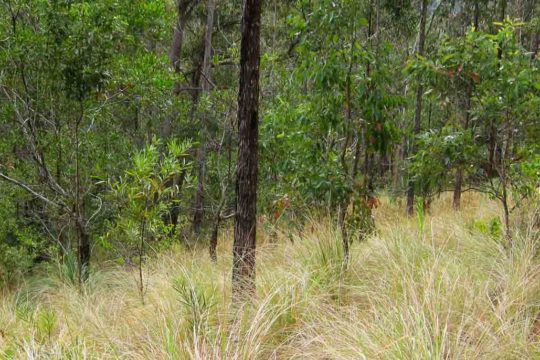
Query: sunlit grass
x=453, y=290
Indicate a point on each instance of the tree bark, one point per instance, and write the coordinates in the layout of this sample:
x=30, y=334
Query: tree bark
x=458, y=183
x=243, y=274
x=178, y=34
x=198, y=206
x=206, y=86
x=166, y=128
x=418, y=110
x=224, y=188
x=459, y=171
x=476, y=19
x=503, y=175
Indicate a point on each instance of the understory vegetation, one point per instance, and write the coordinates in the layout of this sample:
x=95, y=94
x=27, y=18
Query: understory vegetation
x=266, y=179
x=450, y=289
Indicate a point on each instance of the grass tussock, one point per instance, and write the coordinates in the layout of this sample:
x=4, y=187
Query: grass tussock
x=449, y=288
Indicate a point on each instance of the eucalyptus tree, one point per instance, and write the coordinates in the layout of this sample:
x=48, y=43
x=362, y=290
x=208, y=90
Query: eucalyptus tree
x=53, y=74
x=490, y=86
x=74, y=109
x=245, y=227
x=331, y=125
x=418, y=100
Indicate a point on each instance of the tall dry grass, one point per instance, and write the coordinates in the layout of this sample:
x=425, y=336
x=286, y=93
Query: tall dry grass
x=449, y=288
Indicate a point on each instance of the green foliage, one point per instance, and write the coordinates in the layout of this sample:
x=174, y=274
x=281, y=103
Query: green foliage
x=86, y=85
x=339, y=93
x=439, y=152
x=21, y=243
x=359, y=219
x=195, y=300
x=46, y=323
x=145, y=193
x=487, y=87
x=527, y=175
x=67, y=269
x=492, y=227
x=420, y=212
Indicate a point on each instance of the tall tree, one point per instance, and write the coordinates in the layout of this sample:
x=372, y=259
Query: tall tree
x=206, y=86
x=466, y=105
x=418, y=109
x=245, y=227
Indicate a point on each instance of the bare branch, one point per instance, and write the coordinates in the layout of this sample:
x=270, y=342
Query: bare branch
x=30, y=190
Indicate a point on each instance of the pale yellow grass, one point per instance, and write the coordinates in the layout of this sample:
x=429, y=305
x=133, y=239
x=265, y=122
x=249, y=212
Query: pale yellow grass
x=451, y=291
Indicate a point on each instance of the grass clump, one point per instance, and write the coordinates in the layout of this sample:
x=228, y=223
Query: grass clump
x=454, y=290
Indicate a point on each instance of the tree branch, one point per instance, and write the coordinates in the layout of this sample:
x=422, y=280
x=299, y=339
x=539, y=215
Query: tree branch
x=30, y=190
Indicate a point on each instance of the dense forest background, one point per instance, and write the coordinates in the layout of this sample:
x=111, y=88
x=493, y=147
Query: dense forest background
x=121, y=114
x=121, y=129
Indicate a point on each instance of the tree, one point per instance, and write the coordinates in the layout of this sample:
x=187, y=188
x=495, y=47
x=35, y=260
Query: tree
x=206, y=86
x=143, y=195
x=419, y=98
x=245, y=227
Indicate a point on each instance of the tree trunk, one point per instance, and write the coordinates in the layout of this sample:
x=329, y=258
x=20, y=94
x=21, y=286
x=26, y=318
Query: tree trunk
x=243, y=273
x=171, y=216
x=418, y=110
x=178, y=34
x=344, y=234
x=83, y=237
x=534, y=49
x=141, y=257
x=504, y=185
x=206, y=85
x=503, y=177
x=198, y=206
x=224, y=188
x=167, y=124
x=83, y=249
x=214, y=237
x=476, y=20
x=459, y=171
x=456, y=203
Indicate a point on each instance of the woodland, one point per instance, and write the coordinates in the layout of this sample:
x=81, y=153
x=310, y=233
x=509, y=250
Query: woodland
x=278, y=179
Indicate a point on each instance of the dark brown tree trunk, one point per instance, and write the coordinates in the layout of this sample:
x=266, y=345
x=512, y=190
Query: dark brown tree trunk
x=166, y=128
x=198, y=206
x=83, y=237
x=492, y=148
x=215, y=231
x=459, y=171
x=493, y=130
x=142, y=235
x=171, y=216
x=504, y=194
x=83, y=244
x=503, y=176
x=418, y=110
x=476, y=20
x=501, y=19
x=214, y=239
x=344, y=234
x=243, y=274
x=206, y=85
x=224, y=187
x=343, y=207
x=458, y=183
x=178, y=34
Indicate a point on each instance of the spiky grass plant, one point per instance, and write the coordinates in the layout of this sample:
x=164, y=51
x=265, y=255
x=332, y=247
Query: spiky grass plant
x=453, y=291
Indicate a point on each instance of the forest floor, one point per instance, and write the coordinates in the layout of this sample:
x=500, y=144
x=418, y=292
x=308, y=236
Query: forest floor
x=450, y=289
